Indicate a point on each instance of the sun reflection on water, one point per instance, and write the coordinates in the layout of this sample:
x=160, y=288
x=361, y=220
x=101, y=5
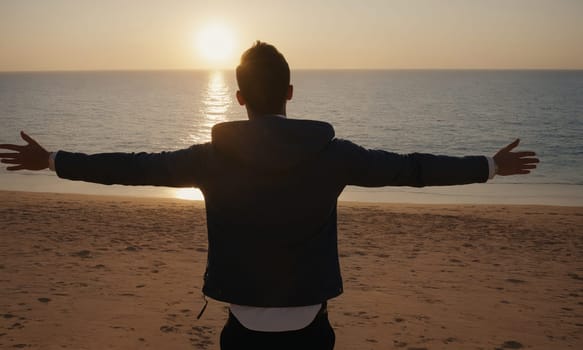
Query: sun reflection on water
x=218, y=97
x=191, y=194
x=216, y=101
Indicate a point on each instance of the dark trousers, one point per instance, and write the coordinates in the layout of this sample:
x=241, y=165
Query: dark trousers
x=318, y=335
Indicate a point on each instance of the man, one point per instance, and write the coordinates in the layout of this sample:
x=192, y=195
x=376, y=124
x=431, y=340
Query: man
x=271, y=186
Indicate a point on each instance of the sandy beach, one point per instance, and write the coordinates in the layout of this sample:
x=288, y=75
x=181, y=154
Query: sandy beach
x=93, y=272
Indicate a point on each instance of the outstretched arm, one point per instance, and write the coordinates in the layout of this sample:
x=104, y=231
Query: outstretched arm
x=182, y=168
x=376, y=168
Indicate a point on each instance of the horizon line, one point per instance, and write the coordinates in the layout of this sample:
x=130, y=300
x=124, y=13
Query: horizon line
x=136, y=70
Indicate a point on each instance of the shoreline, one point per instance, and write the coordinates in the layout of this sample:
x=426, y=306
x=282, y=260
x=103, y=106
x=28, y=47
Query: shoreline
x=93, y=272
x=199, y=203
x=493, y=193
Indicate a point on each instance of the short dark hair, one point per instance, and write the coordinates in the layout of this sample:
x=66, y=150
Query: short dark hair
x=263, y=78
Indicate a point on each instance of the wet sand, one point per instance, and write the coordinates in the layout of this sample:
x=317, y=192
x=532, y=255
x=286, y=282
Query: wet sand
x=91, y=272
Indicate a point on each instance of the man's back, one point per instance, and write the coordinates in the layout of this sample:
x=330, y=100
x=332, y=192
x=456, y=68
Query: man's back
x=271, y=186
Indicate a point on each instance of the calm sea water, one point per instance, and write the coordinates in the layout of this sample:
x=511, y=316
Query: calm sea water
x=445, y=112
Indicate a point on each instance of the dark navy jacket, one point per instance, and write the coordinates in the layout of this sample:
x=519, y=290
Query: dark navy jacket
x=271, y=187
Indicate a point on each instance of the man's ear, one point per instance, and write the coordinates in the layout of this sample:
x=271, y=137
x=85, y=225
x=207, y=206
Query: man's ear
x=240, y=98
x=290, y=92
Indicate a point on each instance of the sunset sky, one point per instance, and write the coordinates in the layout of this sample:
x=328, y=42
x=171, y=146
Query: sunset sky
x=335, y=34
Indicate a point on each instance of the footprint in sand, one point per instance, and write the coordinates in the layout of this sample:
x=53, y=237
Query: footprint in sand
x=515, y=280
x=399, y=344
x=201, y=336
x=84, y=254
x=16, y=326
x=168, y=329
x=510, y=344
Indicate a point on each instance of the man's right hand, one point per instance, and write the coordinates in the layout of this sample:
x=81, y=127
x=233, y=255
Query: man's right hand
x=32, y=156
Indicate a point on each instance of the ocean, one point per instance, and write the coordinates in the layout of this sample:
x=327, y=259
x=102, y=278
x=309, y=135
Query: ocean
x=443, y=112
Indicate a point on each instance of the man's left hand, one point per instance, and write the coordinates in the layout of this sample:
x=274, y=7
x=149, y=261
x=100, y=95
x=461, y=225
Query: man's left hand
x=514, y=163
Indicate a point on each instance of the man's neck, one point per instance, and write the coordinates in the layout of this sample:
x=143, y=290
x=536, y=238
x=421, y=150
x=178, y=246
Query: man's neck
x=252, y=115
x=267, y=115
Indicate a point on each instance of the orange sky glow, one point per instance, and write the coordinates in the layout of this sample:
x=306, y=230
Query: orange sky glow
x=372, y=34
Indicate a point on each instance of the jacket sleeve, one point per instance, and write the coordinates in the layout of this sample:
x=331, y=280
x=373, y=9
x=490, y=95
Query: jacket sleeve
x=182, y=168
x=376, y=168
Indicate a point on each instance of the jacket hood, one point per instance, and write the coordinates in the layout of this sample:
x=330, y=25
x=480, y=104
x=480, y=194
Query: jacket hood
x=271, y=143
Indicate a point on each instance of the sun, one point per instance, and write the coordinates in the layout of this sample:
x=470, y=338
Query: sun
x=215, y=42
